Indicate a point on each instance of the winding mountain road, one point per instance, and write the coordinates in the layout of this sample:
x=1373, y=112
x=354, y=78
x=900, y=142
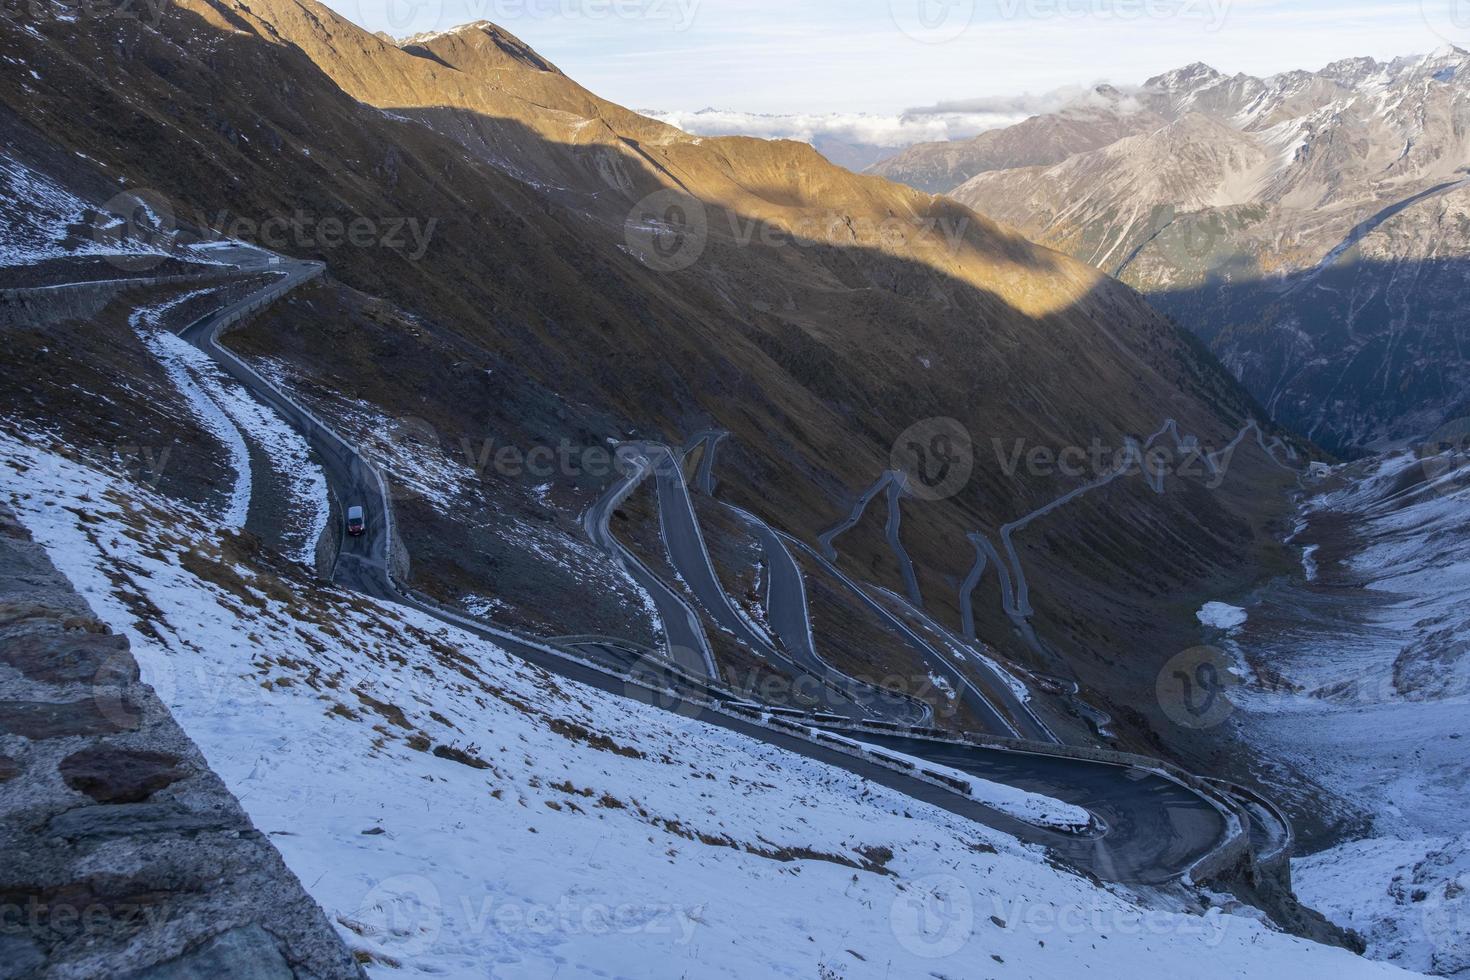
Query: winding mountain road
x=685, y=642
x=1000, y=687
x=1155, y=830
x=1152, y=822
x=892, y=481
x=362, y=562
x=789, y=616
x=1015, y=590
x=684, y=543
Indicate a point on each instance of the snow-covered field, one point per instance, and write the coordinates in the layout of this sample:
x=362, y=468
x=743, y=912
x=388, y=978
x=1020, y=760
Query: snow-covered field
x=1373, y=651
x=460, y=814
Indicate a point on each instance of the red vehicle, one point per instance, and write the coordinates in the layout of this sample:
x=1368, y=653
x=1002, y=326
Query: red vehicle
x=356, y=522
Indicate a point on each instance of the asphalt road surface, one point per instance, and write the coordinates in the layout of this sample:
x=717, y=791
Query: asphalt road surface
x=984, y=710
x=1153, y=824
x=788, y=613
x=685, y=642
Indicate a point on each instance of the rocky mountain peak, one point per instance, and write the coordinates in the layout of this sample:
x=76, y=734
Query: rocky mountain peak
x=426, y=37
x=1351, y=72
x=479, y=44
x=1189, y=76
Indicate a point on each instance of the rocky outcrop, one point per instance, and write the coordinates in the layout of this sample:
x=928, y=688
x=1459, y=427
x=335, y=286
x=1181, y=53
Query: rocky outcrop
x=124, y=854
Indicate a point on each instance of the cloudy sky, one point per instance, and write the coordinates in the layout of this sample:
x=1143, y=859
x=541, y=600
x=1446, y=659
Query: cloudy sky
x=882, y=57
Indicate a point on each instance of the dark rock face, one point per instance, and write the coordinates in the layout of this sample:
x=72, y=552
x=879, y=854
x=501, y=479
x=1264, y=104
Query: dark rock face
x=42, y=720
x=61, y=658
x=246, y=953
x=111, y=775
x=134, y=820
x=9, y=768
x=19, y=956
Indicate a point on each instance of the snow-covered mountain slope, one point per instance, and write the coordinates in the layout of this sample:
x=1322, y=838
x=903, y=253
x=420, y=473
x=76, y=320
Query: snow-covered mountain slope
x=1407, y=898
x=1311, y=226
x=1368, y=686
x=452, y=808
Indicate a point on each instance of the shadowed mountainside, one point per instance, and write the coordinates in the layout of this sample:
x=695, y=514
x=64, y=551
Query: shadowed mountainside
x=820, y=315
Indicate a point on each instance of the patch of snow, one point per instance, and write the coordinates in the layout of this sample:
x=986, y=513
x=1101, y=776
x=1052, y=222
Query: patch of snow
x=43, y=220
x=1410, y=900
x=230, y=413
x=1221, y=616
x=202, y=384
x=943, y=686
x=309, y=508
x=482, y=607
x=1309, y=561
x=1017, y=686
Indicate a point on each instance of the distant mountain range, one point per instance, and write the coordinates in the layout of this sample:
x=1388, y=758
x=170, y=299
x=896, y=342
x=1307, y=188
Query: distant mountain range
x=1311, y=226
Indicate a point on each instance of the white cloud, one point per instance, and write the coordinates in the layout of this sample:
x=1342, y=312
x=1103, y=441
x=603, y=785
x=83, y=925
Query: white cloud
x=1026, y=104
x=864, y=129
x=1100, y=96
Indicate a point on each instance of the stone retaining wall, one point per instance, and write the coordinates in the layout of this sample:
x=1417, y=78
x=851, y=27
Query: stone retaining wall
x=123, y=854
x=42, y=305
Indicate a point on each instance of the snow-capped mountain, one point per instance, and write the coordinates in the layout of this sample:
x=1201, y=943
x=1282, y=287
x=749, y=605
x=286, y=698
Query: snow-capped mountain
x=1311, y=225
